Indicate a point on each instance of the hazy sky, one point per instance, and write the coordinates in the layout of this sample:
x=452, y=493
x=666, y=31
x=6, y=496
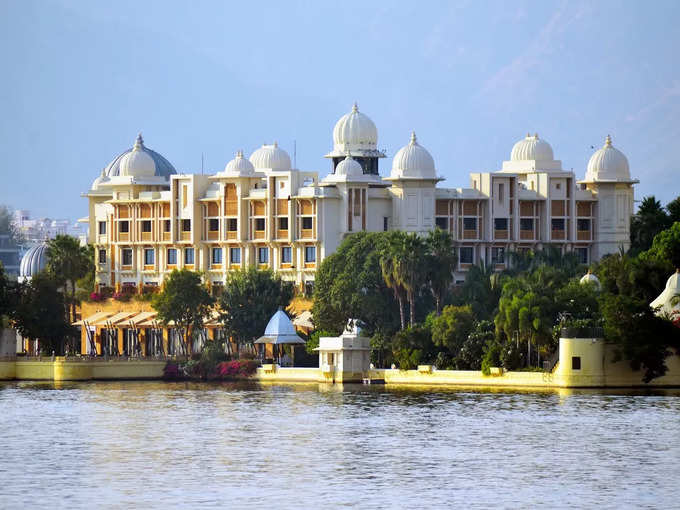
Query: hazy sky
x=81, y=79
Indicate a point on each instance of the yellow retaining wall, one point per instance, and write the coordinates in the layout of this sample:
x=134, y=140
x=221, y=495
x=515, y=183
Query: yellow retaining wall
x=277, y=374
x=80, y=370
x=465, y=378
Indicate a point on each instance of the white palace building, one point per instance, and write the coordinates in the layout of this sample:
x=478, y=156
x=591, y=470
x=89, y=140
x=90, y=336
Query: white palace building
x=145, y=219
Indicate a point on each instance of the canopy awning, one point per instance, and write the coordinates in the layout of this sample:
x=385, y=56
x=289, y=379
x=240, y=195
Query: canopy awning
x=93, y=318
x=115, y=319
x=142, y=317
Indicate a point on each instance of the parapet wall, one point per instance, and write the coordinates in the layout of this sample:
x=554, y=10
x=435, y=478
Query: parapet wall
x=74, y=369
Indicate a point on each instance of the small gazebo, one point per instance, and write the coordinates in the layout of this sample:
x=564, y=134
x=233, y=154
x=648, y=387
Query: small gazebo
x=279, y=331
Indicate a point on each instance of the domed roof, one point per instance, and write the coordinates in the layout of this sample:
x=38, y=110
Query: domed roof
x=349, y=167
x=532, y=148
x=413, y=161
x=355, y=130
x=239, y=166
x=99, y=180
x=608, y=164
x=161, y=166
x=33, y=261
x=270, y=157
x=590, y=278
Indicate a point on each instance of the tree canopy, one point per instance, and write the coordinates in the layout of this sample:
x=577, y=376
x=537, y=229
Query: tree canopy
x=250, y=297
x=67, y=262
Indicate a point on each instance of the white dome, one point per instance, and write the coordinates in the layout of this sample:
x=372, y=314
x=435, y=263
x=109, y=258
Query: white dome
x=608, y=164
x=271, y=157
x=99, y=180
x=349, y=167
x=137, y=163
x=413, y=161
x=532, y=148
x=355, y=131
x=590, y=278
x=239, y=166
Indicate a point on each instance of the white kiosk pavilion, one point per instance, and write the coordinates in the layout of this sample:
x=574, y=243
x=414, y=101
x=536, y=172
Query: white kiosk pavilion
x=280, y=331
x=345, y=358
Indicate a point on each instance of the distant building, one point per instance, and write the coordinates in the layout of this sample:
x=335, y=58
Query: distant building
x=10, y=255
x=145, y=219
x=35, y=231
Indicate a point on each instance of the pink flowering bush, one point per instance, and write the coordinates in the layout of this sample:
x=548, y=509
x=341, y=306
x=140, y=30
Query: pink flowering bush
x=236, y=369
x=95, y=296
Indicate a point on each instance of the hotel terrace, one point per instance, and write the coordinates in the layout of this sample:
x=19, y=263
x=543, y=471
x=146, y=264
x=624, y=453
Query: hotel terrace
x=145, y=219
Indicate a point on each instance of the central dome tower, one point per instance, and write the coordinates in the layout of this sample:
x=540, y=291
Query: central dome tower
x=355, y=135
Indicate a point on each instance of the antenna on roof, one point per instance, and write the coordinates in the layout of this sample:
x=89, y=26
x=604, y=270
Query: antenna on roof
x=294, y=154
x=201, y=163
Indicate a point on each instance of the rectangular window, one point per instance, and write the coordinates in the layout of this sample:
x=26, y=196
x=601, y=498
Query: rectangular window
x=186, y=225
x=259, y=224
x=582, y=224
x=283, y=223
x=307, y=223
x=235, y=255
x=526, y=224
x=576, y=362
x=172, y=256
x=189, y=256
x=582, y=254
x=500, y=223
x=286, y=255
x=149, y=256
x=469, y=223
x=166, y=225
x=213, y=225
x=558, y=223
x=262, y=255
x=467, y=254
x=497, y=255
x=127, y=256
x=442, y=223
x=102, y=228
x=310, y=254
x=384, y=223
x=102, y=256
x=232, y=224
x=217, y=255
x=501, y=192
x=124, y=226
x=146, y=226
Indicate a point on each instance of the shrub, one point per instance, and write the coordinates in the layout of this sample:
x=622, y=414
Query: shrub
x=236, y=369
x=121, y=296
x=171, y=372
x=95, y=296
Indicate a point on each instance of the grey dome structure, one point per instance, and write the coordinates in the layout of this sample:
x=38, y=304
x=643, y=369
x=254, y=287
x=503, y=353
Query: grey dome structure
x=33, y=261
x=163, y=167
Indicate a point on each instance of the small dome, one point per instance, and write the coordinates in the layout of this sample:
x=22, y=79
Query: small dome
x=413, y=161
x=608, y=164
x=99, y=180
x=271, y=157
x=239, y=166
x=355, y=131
x=349, y=167
x=33, y=261
x=532, y=148
x=163, y=168
x=590, y=278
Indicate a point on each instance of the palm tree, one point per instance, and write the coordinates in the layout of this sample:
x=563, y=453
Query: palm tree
x=441, y=262
x=67, y=262
x=387, y=268
x=408, y=267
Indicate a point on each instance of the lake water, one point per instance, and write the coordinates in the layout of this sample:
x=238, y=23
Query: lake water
x=176, y=445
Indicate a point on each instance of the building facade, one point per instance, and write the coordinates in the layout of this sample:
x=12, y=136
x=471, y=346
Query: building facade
x=145, y=219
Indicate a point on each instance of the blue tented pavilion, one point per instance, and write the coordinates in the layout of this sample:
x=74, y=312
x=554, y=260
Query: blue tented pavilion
x=279, y=332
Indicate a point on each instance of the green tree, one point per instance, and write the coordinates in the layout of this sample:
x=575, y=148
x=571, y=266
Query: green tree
x=673, y=209
x=473, y=350
x=405, y=253
x=38, y=314
x=250, y=297
x=67, y=262
x=388, y=271
x=349, y=285
x=441, y=261
x=8, y=295
x=413, y=346
x=8, y=227
x=650, y=219
x=666, y=247
x=185, y=301
x=482, y=290
x=451, y=329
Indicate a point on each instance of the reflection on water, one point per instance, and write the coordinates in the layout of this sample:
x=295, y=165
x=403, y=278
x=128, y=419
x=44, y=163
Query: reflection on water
x=156, y=445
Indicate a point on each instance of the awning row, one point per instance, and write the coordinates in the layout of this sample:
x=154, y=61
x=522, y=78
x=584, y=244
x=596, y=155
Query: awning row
x=136, y=319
